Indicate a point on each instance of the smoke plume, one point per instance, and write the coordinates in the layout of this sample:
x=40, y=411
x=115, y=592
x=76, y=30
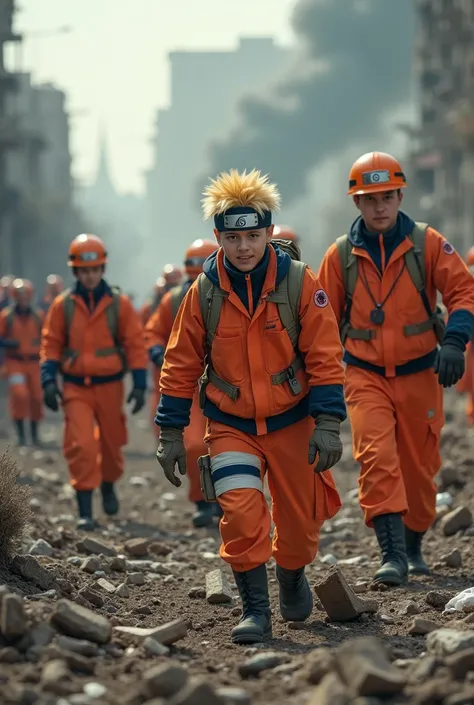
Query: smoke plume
x=353, y=68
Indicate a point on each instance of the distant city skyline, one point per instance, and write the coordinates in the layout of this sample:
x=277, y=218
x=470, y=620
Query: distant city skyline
x=113, y=66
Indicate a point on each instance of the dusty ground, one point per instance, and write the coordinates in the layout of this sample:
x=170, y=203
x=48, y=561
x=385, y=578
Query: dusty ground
x=155, y=510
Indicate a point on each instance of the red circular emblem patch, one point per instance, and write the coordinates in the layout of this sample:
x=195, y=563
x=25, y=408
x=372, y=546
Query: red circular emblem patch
x=448, y=248
x=321, y=298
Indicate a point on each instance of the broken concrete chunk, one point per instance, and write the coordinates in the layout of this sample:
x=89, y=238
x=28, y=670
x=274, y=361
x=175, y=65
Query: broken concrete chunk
x=13, y=617
x=77, y=646
x=261, y=662
x=165, y=680
x=94, y=547
x=32, y=571
x=457, y=520
x=137, y=547
x=80, y=622
x=106, y=586
x=444, y=642
x=420, y=626
x=331, y=691
x=339, y=599
x=197, y=692
x=218, y=590
x=364, y=666
x=166, y=634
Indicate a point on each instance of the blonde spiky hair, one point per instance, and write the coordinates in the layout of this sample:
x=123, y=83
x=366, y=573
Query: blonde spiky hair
x=232, y=189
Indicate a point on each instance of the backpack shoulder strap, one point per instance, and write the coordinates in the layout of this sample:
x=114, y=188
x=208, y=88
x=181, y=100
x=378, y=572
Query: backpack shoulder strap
x=287, y=296
x=68, y=307
x=415, y=257
x=348, y=264
x=211, y=298
x=177, y=295
x=112, y=313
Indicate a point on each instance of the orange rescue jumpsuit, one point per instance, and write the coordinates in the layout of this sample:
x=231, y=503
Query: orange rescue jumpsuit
x=22, y=368
x=394, y=400
x=266, y=429
x=93, y=368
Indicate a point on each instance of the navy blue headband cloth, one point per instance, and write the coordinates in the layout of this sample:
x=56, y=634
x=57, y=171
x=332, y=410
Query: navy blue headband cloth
x=242, y=218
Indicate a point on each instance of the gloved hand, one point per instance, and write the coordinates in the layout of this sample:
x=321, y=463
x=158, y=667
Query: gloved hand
x=326, y=441
x=171, y=451
x=138, y=396
x=449, y=364
x=51, y=394
x=157, y=355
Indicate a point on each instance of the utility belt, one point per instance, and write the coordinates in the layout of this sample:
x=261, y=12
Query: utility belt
x=11, y=355
x=287, y=375
x=435, y=323
x=70, y=355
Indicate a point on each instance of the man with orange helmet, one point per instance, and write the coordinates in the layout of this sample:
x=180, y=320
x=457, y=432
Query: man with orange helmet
x=54, y=286
x=382, y=280
x=20, y=334
x=157, y=334
x=92, y=335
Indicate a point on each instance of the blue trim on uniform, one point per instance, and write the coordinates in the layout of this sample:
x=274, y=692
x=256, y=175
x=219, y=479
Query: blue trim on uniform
x=49, y=371
x=327, y=399
x=173, y=412
x=156, y=354
x=273, y=423
x=237, y=469
x=257, y=275
x=102, y=289
x=460, y=328
x=139, y=377
x=92, y=380
x=9, y=343
x=419, y=364
x=359, y=236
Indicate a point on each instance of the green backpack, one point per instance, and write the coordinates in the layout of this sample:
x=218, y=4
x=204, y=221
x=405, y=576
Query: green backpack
x=287, y=297
x=415, y=264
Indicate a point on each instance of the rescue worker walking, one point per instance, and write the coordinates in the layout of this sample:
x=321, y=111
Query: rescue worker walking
x=54, y=286
x=382, y=280
x=157, y=335
x=261, y=324
x=172, y=276
x=92, y=335
x=20, y=337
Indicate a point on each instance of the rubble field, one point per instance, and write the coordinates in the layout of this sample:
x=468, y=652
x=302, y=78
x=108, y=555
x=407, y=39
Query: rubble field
x=140, y=611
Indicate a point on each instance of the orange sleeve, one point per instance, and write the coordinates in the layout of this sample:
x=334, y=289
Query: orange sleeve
x=330, y=278
x=53, y=335
x=132, y=335
x=450, y=274
x=145, y=313
x=3, y=323
x=184, y=357
x=159, y=326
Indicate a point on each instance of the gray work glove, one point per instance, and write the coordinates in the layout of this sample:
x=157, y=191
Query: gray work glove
x=170, y=452
x=326, y=441
x=449, y=364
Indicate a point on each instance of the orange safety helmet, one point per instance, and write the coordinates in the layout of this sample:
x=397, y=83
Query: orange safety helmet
x=470, y=257
x=197, y=254
x=375, y=172
x=172, y=275
x=87, y=251
x=54, y=284
x=22, y=286
x=284, y=232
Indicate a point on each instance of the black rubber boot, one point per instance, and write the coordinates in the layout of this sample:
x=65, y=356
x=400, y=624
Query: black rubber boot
x=110, y=501
x=202, y=517
x=256, y=622
x=20, y=432
x=390, y=532
x=296, y=600
x=416, y=564
x=84, y=504
x=34, y=434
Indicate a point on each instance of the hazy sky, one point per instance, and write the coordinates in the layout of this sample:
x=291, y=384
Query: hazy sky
x=113, y=64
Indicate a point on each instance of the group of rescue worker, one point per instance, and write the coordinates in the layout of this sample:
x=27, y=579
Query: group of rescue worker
x=256, y=360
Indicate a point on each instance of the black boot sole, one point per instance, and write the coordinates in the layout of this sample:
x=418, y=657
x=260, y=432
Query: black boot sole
x=250, y=638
